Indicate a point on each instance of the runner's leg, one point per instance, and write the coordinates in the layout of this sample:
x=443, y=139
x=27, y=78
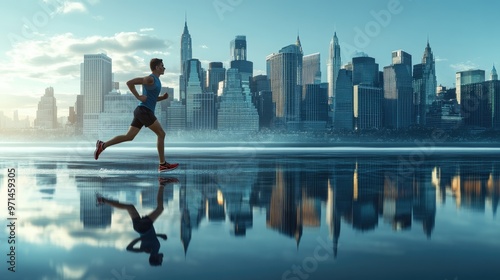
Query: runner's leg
x=131, y=133
x=159, y=205
x=160, y=133
x=129, y=207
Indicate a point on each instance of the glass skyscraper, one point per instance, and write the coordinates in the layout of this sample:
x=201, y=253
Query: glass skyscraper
x=215, y=74
x=96, y=81
x=365, y=71
x=398, y=92
x=343, y=110
x=194, y=87
x=311, y=69
x=367, y=104
x=284, y=71
x=465, y=78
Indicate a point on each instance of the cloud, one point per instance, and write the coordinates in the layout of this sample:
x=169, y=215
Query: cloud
x=463, y=66
x=59, y=57
x=204, y=46
x=147, y=29
x=71, y=7
x=93, y=2
x=439, y=59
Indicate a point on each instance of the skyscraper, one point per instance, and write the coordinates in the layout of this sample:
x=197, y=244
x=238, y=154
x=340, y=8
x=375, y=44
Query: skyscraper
x=215, y=74
x=314, y=106
x=493, y=74
x=115, y=117
x=96, y=82
x=424, y=85
x=186, y=54
x=367, y=104
x=284, y=71
x=311, y=69
x=365, y=71
x=333, y=68
x=194, y=81
x=343, y=107
x=480, y=105
x=398, y=91
x=235, y=113
x=239, y=61
x=46, y=114
x=263, y=100
x=465, y=78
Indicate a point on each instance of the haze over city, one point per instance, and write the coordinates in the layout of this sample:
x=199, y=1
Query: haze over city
x=45, y=41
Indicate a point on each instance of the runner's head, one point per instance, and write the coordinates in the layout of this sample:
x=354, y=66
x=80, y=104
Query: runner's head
x=156, y=64
x=156, y=259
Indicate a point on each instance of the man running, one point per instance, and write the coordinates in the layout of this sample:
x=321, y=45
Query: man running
x=144, y=114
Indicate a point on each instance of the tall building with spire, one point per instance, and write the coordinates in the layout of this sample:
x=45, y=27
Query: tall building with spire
x=333, y=68
x=186, y=54
x=493, y=74
x=424, y=85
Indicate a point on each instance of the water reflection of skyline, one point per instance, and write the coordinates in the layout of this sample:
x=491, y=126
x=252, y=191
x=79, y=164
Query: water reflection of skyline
x=359, y=193
x=264, y=212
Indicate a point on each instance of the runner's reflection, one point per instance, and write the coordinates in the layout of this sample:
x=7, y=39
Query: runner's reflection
x=144, y=225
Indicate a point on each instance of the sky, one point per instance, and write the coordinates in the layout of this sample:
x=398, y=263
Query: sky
x=44, y=41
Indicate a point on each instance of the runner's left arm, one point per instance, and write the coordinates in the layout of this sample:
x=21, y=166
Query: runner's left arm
x=131, y=248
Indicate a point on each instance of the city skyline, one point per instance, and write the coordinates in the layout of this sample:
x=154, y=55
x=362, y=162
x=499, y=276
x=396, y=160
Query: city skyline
x=46, y=42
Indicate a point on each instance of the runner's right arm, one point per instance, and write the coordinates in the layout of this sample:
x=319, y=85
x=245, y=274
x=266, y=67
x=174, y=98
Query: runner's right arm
x=148, y=80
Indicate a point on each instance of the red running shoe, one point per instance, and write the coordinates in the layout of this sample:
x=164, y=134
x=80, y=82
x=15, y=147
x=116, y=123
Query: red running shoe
x=99, y=147
x=167, y=167
x=168, y=180
x=99, y=199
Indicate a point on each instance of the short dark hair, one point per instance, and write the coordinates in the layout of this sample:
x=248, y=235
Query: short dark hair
x=155, y=62
x=155, y=259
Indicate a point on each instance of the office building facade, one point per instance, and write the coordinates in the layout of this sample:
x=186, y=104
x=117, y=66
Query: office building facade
x=343, y=107
x=96, y=82
x=46, y=113
x=398, y=92
x=235, y=113
x=284, y=71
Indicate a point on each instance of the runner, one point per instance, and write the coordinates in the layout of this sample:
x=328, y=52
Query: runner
x=144, y=114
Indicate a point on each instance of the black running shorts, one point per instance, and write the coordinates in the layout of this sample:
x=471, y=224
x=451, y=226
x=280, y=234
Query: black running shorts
x=143, y=117
x=142, y=225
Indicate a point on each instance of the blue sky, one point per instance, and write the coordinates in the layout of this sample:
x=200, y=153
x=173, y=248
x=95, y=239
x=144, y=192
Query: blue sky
x=43, y=42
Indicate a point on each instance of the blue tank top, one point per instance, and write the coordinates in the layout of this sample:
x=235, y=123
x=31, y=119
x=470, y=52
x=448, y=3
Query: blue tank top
x=152, y=92
x=150, y=241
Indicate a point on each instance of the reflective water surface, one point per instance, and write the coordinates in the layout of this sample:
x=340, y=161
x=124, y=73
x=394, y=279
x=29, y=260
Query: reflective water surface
x=243, y=214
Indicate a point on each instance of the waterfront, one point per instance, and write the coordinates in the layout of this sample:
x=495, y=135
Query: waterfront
x=258, y=213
